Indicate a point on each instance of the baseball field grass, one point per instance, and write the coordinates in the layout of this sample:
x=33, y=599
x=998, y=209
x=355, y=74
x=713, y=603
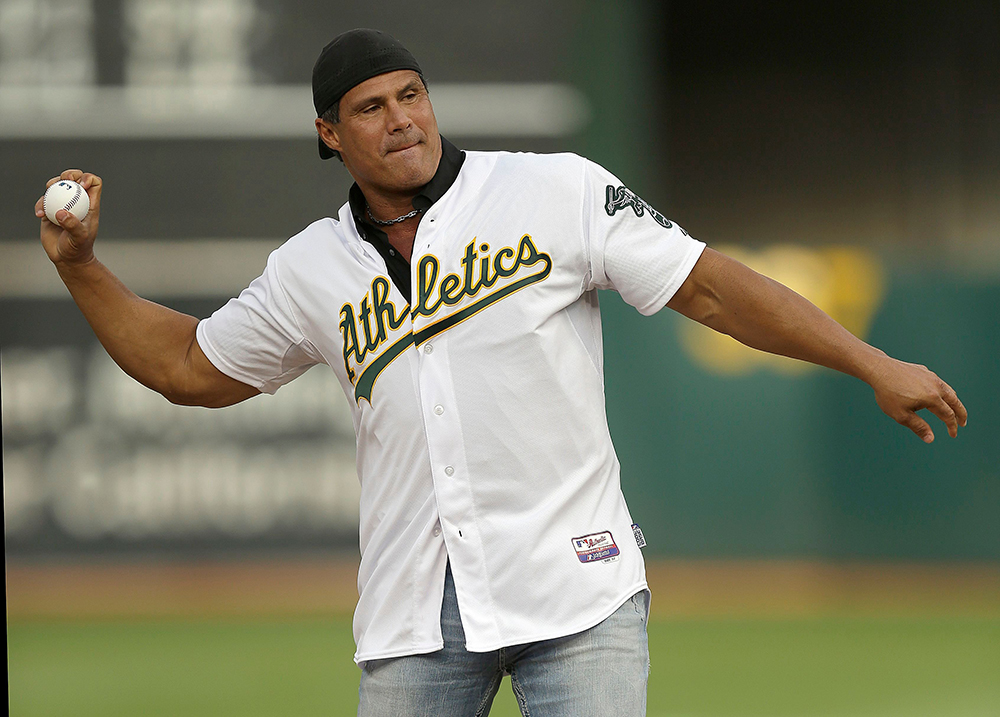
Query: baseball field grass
x=934, y=658
x=928, y=666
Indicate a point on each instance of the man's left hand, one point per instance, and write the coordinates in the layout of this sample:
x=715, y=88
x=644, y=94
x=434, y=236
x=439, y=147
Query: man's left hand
x=902, y=389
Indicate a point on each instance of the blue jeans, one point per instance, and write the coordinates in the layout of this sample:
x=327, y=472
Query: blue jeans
x=598, y=672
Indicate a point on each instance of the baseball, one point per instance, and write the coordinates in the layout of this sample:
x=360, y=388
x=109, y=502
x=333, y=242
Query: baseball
x=66, y=194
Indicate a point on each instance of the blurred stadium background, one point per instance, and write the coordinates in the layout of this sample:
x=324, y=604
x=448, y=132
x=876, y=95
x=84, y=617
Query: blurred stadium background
x=807, y=555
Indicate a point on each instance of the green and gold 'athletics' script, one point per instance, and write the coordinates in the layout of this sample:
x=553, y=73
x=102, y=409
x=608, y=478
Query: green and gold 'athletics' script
x=364, y=330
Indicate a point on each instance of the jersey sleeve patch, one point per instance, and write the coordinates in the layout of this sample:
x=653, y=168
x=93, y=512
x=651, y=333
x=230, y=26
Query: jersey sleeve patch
x=621, y=197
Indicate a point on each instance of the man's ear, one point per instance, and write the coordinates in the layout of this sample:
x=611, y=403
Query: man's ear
x=328, y=134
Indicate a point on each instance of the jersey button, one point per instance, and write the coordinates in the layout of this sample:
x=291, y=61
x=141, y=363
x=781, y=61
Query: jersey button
x=439, y=409
x=449, y=471
x=428, y=349
x=437, y=530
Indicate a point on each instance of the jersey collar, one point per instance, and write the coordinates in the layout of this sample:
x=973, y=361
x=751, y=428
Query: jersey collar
x=398, y=267
x=451, y=162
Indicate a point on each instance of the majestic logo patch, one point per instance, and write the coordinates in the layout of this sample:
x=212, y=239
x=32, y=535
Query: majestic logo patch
x=622, y=197
x=366, y=328
x=640, y=539
x=594, y=547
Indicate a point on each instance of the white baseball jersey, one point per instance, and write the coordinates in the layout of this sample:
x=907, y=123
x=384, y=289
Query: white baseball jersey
x=479, y=404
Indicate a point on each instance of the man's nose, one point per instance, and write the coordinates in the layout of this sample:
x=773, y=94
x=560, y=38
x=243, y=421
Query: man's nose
x=398, y=118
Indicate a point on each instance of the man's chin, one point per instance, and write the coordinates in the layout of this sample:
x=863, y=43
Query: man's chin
x=413, y=167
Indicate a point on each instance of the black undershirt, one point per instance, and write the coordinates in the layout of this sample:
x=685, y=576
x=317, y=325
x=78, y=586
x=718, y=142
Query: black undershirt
x=398, y=265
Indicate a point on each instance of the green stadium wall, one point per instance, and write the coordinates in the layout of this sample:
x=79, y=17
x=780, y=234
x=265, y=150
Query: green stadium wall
x=778, y=465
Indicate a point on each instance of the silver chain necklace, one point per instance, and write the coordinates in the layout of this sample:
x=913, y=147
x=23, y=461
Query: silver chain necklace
x=397, y=220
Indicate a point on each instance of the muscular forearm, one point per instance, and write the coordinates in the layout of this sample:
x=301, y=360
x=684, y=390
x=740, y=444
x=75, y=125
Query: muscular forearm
x=767, y=315
x=729, y=297
x=153, y=344
x=150, y=342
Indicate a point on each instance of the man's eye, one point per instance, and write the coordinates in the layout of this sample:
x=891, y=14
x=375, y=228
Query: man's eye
x=370, y=110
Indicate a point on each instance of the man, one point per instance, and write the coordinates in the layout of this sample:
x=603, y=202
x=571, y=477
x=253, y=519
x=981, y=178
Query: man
x=455, y=299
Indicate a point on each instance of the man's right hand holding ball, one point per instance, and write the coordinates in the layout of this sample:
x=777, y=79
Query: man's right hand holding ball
x=71, y=241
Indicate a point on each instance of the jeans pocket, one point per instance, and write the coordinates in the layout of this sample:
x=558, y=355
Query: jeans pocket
x=639, y=603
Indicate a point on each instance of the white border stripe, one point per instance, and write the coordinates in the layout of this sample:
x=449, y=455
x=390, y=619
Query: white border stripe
x=269, y=112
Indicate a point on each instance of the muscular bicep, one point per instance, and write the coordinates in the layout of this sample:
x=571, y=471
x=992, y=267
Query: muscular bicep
x=205, y=385
x=700, y=297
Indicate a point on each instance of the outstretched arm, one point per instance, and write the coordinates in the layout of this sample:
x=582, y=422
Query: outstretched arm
x=152, y=344
x=727, y=296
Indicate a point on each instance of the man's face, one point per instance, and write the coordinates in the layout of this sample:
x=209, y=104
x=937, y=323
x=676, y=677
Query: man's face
x=387, y=134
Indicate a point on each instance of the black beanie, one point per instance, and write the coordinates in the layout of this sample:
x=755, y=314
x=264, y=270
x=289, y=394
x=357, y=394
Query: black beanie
x=350, y=59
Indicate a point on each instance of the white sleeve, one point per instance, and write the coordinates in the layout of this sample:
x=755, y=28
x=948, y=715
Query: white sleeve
x=632, y=248
x=256, y=338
